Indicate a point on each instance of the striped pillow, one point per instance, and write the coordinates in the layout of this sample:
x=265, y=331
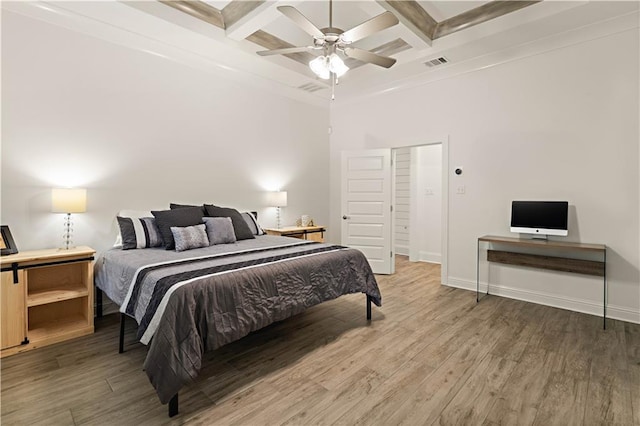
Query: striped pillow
x=190, y=237
x=139, y=232
x=252, y=222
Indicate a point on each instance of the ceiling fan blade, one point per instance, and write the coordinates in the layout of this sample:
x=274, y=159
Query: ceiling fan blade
x=373, y=25
x=370, y=57
x=301, y=20
x=285, y=50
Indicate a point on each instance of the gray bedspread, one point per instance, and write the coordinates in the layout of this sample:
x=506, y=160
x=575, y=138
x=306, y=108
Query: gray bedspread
x=191, y=302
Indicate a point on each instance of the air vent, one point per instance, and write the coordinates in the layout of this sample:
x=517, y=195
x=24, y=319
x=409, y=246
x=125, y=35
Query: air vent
x=311, y=87
x=436, y=62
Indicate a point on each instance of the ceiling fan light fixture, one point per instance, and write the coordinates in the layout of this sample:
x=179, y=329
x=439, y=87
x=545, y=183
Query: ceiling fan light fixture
x=323, y=66
x=320, y=67
x=337, y=66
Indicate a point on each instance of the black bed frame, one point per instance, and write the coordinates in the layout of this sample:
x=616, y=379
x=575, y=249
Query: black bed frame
x=173, y=403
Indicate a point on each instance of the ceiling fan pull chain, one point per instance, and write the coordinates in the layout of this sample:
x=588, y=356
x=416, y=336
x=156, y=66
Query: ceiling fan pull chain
x=333, y=87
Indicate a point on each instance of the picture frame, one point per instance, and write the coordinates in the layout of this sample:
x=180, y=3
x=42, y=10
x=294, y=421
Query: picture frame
x=7, y=245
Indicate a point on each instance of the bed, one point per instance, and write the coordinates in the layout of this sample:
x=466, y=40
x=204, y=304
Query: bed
x=186, y=303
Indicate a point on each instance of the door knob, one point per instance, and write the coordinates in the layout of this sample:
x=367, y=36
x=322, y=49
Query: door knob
x=345, y=217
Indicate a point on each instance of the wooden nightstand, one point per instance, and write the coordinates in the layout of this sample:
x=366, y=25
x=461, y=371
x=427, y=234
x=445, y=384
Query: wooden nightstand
x=313, y=233
x=47, y=297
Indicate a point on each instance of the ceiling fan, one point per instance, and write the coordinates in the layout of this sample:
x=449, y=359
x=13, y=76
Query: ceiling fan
x=332, y=40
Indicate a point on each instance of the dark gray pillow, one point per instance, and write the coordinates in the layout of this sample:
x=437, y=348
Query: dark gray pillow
x=219, y=230
x=190, y=237
x=139, y=232
x=165, y=219
x=240, y=227
x=182, y=206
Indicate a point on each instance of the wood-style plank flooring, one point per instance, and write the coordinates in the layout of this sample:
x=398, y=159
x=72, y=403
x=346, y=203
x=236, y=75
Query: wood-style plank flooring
x=431, y=355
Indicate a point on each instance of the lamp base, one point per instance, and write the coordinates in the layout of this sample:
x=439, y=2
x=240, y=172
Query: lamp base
x=278, y=217
x=67, y=242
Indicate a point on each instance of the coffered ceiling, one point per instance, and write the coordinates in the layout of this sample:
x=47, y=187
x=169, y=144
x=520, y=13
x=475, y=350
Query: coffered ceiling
x=223, y=35
x=422, y=22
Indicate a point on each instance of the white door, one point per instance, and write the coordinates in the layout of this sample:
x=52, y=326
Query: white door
x=366, y=206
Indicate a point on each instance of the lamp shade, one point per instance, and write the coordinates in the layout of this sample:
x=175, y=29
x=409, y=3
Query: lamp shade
x=320, y=68
x=278, y=199
x=68, y=200
x=337, y=66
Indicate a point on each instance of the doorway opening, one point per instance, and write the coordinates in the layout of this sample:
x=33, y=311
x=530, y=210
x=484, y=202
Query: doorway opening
x=420, y=202
x=368, y=202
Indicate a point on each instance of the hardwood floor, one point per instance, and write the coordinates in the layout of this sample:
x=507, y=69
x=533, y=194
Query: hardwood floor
x=431, y=355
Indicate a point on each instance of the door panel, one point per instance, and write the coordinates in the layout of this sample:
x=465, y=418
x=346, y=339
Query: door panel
x=12, y=310
x=370, y=252
x=366, y=186
x=374, y=208
x=366, y=206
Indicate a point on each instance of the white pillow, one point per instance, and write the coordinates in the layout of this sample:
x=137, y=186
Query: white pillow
x=135, y=214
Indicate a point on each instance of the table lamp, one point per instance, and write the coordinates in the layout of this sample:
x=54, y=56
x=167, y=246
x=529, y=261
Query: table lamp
x=68, y=200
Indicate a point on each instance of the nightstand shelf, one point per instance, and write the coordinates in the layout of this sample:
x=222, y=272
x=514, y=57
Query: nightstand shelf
x=44, y=297
x=47, y=297
x=313, y=233
x=50, y=332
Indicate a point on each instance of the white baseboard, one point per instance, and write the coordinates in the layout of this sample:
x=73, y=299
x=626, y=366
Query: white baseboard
x=423, y=256
x=429, y=257
x=402, y=250
x=573, y=304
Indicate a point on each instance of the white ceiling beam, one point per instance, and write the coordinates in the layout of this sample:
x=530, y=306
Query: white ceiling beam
x=401, y=30
x=542, y=10
x=257, y=19
x=417, y=33
x=398, y=31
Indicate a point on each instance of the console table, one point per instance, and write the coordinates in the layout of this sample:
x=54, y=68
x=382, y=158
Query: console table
x=546, y=254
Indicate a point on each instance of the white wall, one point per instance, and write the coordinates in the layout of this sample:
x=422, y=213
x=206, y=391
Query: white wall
x=428, y=200
x=558, y=125
x=139, y=131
